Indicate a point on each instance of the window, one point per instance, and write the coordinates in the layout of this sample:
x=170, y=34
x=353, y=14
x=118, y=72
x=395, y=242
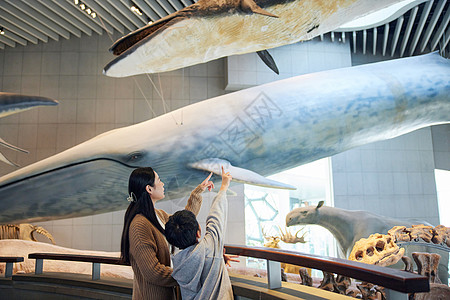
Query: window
x=266, y=210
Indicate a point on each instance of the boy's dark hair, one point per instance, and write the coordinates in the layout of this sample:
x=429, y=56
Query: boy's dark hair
x=181, y=229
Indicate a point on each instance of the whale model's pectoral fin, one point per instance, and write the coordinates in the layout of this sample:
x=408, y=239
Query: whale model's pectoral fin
x=251, y=6
x=239, y=175
x=268, y=60
x=8, y=145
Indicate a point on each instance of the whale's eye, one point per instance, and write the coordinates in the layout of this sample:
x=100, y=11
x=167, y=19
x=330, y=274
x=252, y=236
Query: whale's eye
x=135, y=156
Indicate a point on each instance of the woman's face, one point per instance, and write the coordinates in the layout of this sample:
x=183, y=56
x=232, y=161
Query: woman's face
x=157, y=190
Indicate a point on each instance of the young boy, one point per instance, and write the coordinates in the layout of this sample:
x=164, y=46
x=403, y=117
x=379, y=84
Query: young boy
x=199, y=267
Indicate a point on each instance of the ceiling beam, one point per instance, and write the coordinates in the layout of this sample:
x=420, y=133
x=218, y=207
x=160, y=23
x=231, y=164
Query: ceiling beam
x=143, y=17
x=7, y=41
x=20, y=24
x=146, y=9
x=422, y=20
x=14, y=38
x=166, y=5
x=127, y=13
x=354, y=41
x=157, y=8
x=440, y=31
x=51, y=15
x=412, y=18
x=74, y=11
x=364, y=41
x=119, y=17
x=15, y=32
x=102, y=14
x=177, y=4
x=434, y=18
x=385, y=38
x=52, y=7
x=398, y=28
x=30, y=21
x=375, y=36
x=40, y=18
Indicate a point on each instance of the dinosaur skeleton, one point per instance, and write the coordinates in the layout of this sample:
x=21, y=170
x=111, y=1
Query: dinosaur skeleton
x=23, y=232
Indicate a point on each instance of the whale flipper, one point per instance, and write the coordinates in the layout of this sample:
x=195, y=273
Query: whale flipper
x=268, y=60
x=239, y=174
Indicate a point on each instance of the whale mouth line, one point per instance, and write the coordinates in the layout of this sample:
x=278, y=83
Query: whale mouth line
x=68, y=166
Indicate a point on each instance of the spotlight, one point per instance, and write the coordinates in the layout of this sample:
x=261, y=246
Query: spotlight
x=76, y=2
x=88, y=10
x=93, y=15
x=82, y=6
x=2, y=32
x=136, y=10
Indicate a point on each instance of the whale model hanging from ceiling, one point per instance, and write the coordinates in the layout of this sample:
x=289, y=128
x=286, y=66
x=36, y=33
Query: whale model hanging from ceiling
x=11, y=103
x=210, y=29
x=254, y=133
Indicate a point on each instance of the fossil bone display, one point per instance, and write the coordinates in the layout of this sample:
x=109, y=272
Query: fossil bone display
x=23, y=232
x=427, y=265
x=287, y=237
x=378, y=249
x=439, y=235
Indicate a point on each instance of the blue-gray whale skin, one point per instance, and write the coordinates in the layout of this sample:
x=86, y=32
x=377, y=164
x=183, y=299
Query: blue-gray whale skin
x=11, y=103
x=265, y=129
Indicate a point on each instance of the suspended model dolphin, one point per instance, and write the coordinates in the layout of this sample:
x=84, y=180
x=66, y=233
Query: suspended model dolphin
x=254, y=133
x=11, y=103
x=210, y=29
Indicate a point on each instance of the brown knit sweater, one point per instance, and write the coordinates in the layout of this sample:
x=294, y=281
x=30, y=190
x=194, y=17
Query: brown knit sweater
x=150, y=257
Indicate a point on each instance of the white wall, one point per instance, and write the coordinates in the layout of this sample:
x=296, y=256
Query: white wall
x=393, y=178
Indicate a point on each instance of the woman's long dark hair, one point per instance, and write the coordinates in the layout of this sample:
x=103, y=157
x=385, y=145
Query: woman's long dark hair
x=142, y=204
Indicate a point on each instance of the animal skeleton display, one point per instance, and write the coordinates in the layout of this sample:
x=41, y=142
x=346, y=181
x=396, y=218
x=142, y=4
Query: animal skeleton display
x=347, y=226
x=287, y=237
x=382, y=249
x=377, y=249
x=23, y=232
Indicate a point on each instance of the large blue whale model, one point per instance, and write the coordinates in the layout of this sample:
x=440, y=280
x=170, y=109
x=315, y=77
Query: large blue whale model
x=11, y=103
x=210, y=29
x=258, y=131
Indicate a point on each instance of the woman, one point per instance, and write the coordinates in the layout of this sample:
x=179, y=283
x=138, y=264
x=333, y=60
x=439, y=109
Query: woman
x=143, y=244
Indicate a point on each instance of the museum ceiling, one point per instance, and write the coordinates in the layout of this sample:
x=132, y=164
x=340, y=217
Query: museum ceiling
x=418, y=27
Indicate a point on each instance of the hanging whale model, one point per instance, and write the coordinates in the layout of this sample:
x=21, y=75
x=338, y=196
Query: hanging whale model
x=11, y=103
x=254, y=133
x=211, y=29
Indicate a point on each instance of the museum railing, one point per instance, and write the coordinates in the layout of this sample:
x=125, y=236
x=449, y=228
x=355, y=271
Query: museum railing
x=10, y=260
x=397, y=282
x=95, y=260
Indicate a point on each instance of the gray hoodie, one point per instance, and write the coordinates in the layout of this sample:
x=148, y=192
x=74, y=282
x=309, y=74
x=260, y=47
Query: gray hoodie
x=200, y=269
